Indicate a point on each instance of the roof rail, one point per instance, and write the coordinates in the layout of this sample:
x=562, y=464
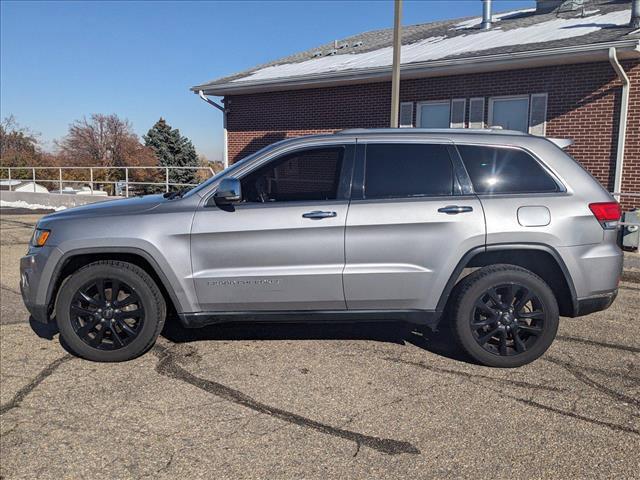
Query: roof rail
x=361, y=131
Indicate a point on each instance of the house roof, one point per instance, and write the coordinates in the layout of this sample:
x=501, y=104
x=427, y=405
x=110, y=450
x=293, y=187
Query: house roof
x=517, y=38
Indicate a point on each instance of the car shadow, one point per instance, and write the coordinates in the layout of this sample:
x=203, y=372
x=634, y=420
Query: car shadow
x=440, y=342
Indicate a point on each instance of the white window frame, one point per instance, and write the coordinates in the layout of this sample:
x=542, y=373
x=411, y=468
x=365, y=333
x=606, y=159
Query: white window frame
x=464, y=112
x=546, y=108
x=509, y=97
x=430, y=102
x=400, y=115
x=482, y=122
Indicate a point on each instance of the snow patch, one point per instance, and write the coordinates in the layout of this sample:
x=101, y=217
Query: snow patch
x=435, y=48
x=29, y=206
x=476, y=21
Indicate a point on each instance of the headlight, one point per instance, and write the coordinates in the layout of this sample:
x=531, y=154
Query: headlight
x=40, y=237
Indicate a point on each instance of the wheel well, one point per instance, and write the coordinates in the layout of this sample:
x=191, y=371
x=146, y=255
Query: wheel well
x=76, y=262
x=541, y=263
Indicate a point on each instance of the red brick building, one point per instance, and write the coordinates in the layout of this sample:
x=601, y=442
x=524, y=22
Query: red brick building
x=558, y=70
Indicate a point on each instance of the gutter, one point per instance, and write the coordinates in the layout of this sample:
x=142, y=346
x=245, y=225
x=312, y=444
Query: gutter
x=628, y=48
x=225, y=135
x=622, y=122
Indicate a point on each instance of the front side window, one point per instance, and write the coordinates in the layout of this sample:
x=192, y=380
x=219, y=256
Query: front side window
x=505, y=170
x=407, y=170
x=312, y=174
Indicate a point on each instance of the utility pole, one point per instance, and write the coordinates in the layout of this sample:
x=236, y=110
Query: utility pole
x=395, y=75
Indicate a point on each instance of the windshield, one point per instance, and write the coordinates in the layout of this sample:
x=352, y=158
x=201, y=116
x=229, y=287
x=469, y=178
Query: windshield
x=202, y=186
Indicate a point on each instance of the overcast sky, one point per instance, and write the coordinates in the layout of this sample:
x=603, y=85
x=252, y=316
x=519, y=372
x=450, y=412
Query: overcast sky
x=63, y=60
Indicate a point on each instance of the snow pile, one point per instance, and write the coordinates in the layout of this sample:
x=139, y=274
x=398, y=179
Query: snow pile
x=435, y=48
x=29, y=206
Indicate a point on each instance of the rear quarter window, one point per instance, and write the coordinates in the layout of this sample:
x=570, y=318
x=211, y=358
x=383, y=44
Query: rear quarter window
x=495, y=170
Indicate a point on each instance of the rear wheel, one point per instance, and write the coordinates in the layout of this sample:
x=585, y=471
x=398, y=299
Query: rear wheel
x=504, y=316
x=110, y=311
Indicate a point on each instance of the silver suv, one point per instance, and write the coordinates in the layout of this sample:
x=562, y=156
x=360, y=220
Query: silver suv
x=498, y=232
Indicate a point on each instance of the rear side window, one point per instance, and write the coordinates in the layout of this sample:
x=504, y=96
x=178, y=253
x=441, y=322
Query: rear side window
x=407, y=170
x=505, y=170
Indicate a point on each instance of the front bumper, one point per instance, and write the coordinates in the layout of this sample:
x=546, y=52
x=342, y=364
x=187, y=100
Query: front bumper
x=595, y=303
x=36, y=275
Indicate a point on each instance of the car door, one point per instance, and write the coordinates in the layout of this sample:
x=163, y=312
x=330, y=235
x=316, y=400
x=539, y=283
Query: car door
x=411, y=219
x=282, y=247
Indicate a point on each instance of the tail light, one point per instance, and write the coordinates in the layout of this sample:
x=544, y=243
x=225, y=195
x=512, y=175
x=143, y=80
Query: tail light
x=607, y=213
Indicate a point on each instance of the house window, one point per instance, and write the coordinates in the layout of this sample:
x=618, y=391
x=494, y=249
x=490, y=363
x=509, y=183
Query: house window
x=510, y=113
x=434, y=114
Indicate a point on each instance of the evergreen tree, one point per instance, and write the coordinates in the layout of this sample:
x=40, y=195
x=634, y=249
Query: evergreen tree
x=172, y=150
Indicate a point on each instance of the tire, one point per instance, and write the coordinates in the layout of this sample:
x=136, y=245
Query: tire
x=493, y=323
x=98, y=327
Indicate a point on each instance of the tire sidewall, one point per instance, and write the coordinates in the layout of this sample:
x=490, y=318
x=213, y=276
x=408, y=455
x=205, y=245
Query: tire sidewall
x=477, y=285
x=152, y=312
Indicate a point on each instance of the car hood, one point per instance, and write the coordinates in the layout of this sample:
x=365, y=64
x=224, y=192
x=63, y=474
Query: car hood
x=110, y=207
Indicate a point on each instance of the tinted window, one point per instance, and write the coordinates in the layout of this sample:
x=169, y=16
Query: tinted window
x=407, y=170
x=505, y=170
x=306, y=175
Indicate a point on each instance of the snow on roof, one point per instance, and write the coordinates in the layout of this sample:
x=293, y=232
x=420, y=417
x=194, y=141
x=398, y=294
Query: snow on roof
x=438, y=47
x=476, y=21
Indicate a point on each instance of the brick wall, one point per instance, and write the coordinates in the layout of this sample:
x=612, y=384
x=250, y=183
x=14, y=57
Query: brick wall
x=583, y=104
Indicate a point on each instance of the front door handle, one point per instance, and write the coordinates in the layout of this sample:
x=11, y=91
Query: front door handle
x=318, y=214
x=455, y=209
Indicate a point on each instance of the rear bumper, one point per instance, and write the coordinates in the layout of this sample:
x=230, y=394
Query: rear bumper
x=595, y=303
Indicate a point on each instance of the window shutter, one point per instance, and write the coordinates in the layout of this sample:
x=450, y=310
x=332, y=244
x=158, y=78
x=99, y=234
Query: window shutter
x=458, y=110
x=476, y=112
x=538, y=114
x=406, y=114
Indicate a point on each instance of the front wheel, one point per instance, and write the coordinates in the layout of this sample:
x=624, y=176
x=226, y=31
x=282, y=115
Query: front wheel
x=504, y=316
x=110, y=311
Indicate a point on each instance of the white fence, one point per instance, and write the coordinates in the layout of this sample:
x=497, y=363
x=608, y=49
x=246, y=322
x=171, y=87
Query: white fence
x=125, y=184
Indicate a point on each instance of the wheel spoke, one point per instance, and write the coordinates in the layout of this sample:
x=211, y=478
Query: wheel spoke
x=97, y=340
x=130, y=300
x=87, y=327
x=485, y=338
x=495, y=298
x=535, y=331
x=81, y=311
x=503, y=342
x=532, y=315
x=129, y=314
x=507, y=300
x=115, y=336
x=520, y=346
x=124, y=326
x=100, y=288
x=524, y=299
x=480, y=305
x=115, y=290
x=484, y=323
x=89, y=299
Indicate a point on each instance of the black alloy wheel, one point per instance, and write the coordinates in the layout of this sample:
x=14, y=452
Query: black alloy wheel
x=507, y=319
x=106, y=314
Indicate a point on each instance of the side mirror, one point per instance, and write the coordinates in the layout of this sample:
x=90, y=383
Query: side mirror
x=228, y=192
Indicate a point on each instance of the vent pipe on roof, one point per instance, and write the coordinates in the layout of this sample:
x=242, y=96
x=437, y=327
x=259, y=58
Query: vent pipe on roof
x=635, y=14
x=486, y=15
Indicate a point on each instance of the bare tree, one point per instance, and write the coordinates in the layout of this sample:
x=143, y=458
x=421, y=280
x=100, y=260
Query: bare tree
x=104, y=140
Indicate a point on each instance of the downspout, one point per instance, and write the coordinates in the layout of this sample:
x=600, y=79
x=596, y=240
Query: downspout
x=622, y=123
x=225, y=139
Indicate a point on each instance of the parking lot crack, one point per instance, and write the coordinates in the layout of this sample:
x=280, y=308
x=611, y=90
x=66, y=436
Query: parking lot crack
x=586, y=341
x=29, y=387
x=168, y=365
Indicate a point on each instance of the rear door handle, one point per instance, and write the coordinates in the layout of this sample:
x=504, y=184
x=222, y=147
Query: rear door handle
x=318, y=214
x=455, y=209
